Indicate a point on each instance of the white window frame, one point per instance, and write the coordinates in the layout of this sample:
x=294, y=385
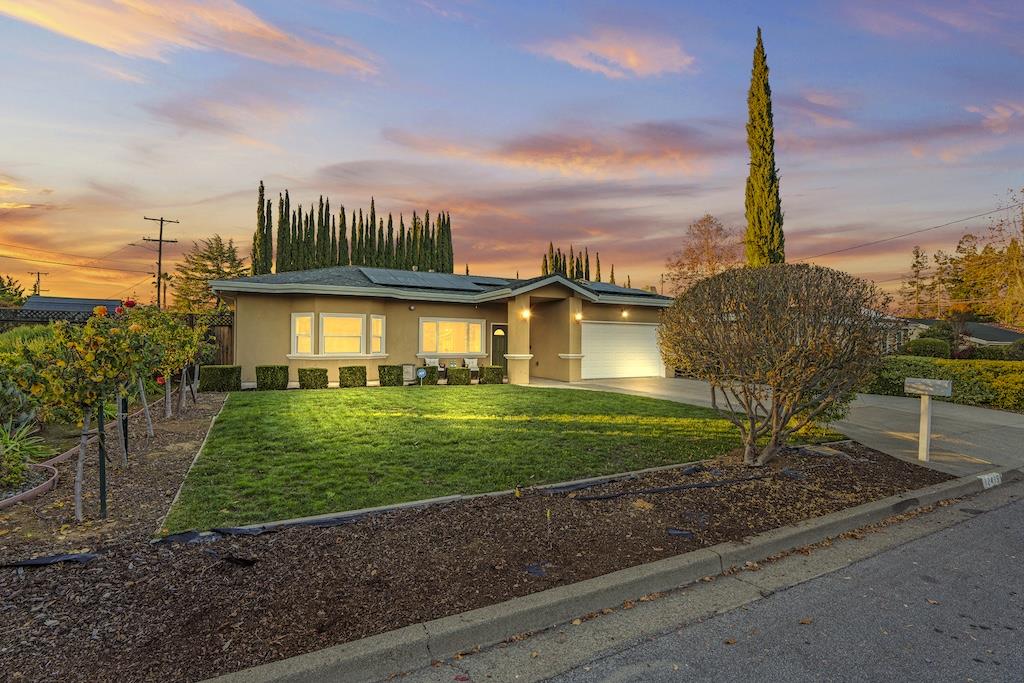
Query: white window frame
x=312, y=334
x=383, y=334
x=469, y=354
x=361, y=317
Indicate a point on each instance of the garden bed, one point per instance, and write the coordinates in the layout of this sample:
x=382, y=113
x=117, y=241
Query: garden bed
x=144, y=611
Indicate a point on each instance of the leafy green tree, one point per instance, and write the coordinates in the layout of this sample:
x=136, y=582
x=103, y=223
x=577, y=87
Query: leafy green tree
x=764, y=240
x=12, y=293
x=210, y=259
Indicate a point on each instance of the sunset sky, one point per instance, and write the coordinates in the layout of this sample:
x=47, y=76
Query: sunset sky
x=605, y=124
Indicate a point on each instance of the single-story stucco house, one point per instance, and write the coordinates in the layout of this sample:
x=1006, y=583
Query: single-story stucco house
x=548, y=326
x=975, y=333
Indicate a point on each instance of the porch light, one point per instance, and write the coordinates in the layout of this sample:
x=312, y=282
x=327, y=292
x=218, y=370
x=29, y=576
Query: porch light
x=625, y=313
x=579, y=317
x=526, y=314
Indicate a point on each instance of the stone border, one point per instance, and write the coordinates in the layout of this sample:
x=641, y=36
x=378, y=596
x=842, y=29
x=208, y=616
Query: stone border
x=35, y=491
x=384, y=655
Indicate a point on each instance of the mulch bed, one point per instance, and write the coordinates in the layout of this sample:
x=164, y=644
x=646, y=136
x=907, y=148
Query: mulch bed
x=146, y=611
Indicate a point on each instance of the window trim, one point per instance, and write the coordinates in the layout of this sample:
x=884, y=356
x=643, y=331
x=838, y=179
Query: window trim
x=383, y=334
x=482, y=353
x=362, y=335
x=312, y=334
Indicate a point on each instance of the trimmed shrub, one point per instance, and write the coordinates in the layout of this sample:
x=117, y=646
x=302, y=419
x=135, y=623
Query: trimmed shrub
x=1015, y=351
x=927, y=346
x=352, y=376
x=999, y=384
x=492, y=374
x=220, y=378
x=312, y=378
x=390, y=375
x=271, y=377
x=16, y=410
x=989, y=353
x=458, y=375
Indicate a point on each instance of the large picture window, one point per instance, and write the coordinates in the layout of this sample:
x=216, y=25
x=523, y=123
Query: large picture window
x=341, y=333
x=454, y=336
x=302, y=334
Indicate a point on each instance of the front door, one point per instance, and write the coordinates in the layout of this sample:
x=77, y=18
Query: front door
x=499, y=346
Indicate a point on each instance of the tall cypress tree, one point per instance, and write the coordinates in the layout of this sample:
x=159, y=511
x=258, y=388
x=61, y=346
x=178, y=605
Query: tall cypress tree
x=380, y=244
x=354, y=242
x=597, y=256
x=586, y=263
x=612, y=278
x=310, y=241
x=451, y=243
x=256, y=258
x=268, y=239
x=293, y=244
x=359, y=243
x=389, y=248
x=400, y=245
x=414, y=244
x=343, y=256
x=334, y=243
x=371, y=235
x=764, y=240
x=281, y=264
x=544, y=265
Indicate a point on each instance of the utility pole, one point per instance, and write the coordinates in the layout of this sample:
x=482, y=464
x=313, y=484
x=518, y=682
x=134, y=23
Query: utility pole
x=37, y=287
x=159, y=252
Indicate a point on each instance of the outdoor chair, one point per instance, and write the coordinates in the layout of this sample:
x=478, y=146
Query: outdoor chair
x=436, y=363
x=473, y=365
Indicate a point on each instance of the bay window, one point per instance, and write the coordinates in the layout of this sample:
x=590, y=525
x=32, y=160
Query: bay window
x=451, y=336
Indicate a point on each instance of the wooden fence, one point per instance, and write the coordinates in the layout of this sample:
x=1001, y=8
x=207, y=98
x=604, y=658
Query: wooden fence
x=221, y=326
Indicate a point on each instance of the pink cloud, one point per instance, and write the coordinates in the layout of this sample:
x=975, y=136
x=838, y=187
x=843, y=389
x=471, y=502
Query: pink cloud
x=151, y=29
x=618, y=54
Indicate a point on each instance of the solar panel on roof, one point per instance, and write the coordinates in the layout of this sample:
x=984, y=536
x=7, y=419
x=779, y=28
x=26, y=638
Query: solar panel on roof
x=484, y=280
x=411, y=278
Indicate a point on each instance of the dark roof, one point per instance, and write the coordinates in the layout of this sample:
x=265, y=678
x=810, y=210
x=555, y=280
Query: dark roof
x=62, y=303
x=989, y=332
x=411, y=284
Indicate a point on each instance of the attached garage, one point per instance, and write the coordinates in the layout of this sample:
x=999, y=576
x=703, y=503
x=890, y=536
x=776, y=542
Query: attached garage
x=613, y=349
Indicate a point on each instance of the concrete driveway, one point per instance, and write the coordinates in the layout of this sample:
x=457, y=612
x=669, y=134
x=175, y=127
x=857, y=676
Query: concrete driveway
x=965, y=439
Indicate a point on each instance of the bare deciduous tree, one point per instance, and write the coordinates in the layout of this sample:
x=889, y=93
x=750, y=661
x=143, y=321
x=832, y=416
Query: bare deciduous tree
x=708, y=248
x=779, y=345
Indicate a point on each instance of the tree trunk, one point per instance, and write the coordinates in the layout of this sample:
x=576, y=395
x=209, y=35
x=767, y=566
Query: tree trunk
x=168, y=412
x=182, y=390
x=80, y=468
x=145, y=407
x=194, y=376
x=750, y=452
x=122, y=438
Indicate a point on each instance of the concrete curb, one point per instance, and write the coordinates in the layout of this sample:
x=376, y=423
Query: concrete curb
x=404, y=649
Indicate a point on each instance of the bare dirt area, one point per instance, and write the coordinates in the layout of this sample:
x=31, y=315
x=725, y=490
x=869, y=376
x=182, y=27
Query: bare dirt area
x=137, y=496
x=189, y=611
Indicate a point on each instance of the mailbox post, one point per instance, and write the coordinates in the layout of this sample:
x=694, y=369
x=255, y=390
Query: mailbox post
x=926, y=388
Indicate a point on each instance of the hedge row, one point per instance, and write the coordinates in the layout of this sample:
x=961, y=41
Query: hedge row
x=220, y=378
x=975, y=382
x=271, y=377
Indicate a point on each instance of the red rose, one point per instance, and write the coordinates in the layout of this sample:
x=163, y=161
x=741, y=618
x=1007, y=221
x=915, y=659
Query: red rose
x=160, y=380
x=119, y=310
x=129, y=303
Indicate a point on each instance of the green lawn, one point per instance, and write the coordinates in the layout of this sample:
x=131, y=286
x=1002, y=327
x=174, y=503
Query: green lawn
x=282, y=454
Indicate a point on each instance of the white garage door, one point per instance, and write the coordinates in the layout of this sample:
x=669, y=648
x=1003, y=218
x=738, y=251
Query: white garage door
x=620, y=350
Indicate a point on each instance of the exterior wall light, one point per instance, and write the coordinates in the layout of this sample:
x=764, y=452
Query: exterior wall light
x=579, y=317
x=526, y=314
x=625, y=313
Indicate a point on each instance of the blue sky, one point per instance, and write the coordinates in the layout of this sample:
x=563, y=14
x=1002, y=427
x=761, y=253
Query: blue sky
x=608, y=125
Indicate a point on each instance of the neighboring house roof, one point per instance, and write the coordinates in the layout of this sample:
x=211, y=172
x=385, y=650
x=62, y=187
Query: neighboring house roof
x=66, y=304
x=404, y=284
x=987, y=332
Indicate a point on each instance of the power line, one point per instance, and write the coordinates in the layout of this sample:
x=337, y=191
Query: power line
x=75, y=265
x=912, y=232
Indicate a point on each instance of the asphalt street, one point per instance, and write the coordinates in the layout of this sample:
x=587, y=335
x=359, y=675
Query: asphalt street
x=944, y=607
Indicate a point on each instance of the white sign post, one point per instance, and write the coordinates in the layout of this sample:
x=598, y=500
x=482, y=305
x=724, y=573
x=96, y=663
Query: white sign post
x=926, y=388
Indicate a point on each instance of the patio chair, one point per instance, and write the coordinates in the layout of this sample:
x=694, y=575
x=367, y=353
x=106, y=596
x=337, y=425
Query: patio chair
x=473, y=364
x=435, y=363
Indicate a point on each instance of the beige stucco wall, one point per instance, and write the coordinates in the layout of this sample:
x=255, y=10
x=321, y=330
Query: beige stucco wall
x=549, y=336
x=263, y=330
x=636, y=314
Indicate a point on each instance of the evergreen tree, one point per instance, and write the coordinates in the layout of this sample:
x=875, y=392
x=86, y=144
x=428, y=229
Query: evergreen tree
x=343, y=255
x=389, y=248
x=294, y=248
x=764, y=240
x=586, y=264
x=400, y=258
x=579, y=267
x=467, y=269
x=334, y=243
x=321, y=240
x=597, y=257
x=414, y=252
x=544, y=265
x=310, y=259
x=629, y=283
x=370, y=255
x=354, y=246
x=379, y=257
x=268, y=238
x=282, y=234
x=210, y=259
x=359, y=255
x=612, y=278
x=427, y=251
x=256, y=258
